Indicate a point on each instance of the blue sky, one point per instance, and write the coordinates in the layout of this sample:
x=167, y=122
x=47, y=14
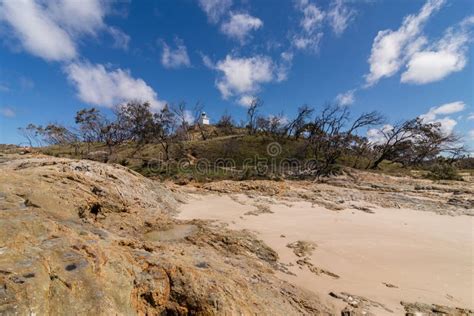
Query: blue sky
x=405, y=58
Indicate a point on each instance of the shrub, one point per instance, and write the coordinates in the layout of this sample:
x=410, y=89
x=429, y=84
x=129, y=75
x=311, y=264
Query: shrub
x=443, y=171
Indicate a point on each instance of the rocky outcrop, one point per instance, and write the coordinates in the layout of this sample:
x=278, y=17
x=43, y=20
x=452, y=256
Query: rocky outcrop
x=82, y=237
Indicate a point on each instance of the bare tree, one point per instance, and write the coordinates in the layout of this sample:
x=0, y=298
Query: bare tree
x=226, y=123
x=31, y=133
x=329, y=138
x=182, y=118
x=297, y=125
x=252, y=115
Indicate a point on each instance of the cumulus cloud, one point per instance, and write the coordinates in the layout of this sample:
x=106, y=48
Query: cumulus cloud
x=311, y=23
x=340, y=16
x=51, y=29
x=448, y=108
x=38, y=33
x=7, y=112
x=447, y=123
x=470, y=117
x=390, y=48
x=240, y=76
x=346, y=98
x=240, y=25
x=215, y=9
x=177, y=57
x=446, y=56
x=99, y=86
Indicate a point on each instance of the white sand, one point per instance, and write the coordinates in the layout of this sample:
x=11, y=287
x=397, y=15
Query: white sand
x=429, y=257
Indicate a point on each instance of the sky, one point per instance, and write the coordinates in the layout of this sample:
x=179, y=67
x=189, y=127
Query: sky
x=404, y=58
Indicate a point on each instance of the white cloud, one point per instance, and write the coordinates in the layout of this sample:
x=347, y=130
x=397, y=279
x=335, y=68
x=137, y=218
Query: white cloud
x=390, y=47
x=470, y=116
x=240, y=25
x=243, y=76
x=99, y=86
x=78, y=17
x=311, y=22
x=308, y=42
x=121, y=39
x=445, y=109
x=447, y=124
x=206, y=60
x=215, y=9
x=376, y=135
x=7, y=112
x=346, y=98
x=312, y=16
x=446, y=56
x=284, y=66
x=175, y=58
x=246, y=100
x=37, y=31
x=340, y=16
x=51, y=29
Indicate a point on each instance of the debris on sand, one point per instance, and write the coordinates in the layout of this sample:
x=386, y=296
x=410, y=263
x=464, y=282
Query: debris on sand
x=316, y=270
x=260, y=209
x=363, y=209
x=359, y=305
x=390, y=285
x=433, y=309
x=363, y=188
x=302, y=248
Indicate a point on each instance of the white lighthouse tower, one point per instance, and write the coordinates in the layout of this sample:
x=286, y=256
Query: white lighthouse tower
x=204, y=119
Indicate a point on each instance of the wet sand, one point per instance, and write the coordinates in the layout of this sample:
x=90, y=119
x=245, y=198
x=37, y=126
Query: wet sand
x=428, y=257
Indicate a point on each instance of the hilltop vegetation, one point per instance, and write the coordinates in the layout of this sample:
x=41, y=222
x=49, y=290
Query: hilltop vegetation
x=315, y=143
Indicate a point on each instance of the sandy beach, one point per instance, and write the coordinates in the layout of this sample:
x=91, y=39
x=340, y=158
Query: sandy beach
x=384, y=257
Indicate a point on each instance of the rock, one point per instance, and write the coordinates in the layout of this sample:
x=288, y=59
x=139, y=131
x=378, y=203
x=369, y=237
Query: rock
x=73, y=240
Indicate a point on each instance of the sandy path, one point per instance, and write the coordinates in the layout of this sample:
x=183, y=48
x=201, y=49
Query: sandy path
x=429, y=257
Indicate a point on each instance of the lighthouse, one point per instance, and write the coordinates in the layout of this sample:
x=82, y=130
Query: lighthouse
x=204, y=119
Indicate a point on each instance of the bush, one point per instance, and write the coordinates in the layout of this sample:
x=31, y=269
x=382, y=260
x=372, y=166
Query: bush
x=443, y=171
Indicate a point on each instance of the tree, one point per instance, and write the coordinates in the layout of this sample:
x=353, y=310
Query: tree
x=328, y=137
x=252, y=115
x=297, y=126
x=183, y=118
x=165, y=123
x=271, y=125
x=414, y=141
x=113, y=135
x=226, y=123
x=31, y=133
x=136, y=120
x=91, y=123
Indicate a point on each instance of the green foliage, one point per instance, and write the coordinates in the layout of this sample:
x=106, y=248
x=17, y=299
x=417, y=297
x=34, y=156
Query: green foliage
x=443, y=171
